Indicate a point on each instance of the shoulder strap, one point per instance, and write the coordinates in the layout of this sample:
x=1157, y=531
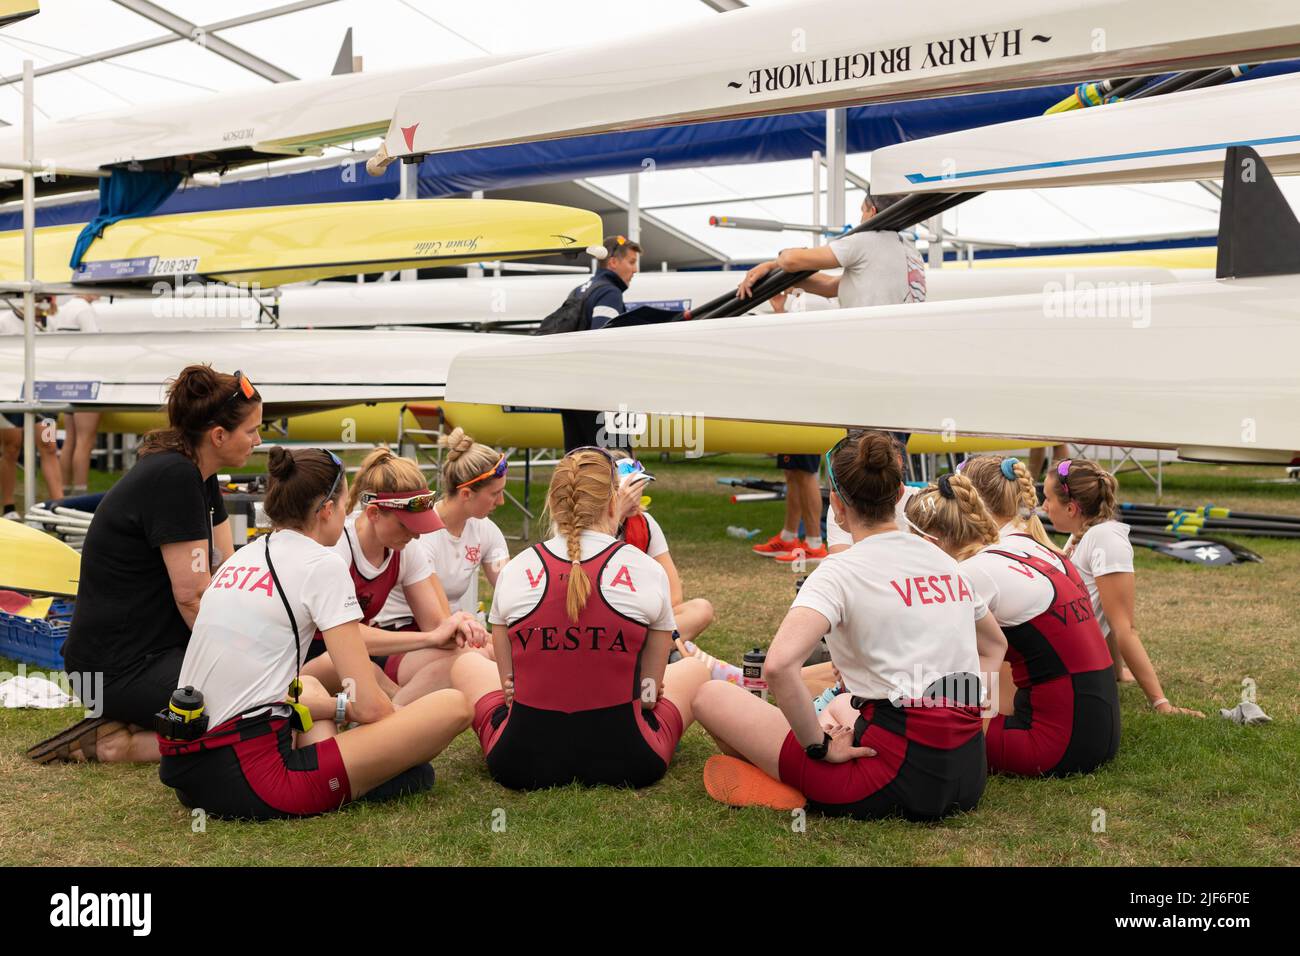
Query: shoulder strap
x=293, y=621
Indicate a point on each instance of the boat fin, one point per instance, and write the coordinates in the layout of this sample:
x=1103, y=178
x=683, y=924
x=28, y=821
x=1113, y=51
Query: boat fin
x=1258, y=231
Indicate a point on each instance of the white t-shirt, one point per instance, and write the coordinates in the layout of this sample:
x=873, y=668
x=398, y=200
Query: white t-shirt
x=658, y=543
x=880, y=268
x=1103, y=549
x=456, y=562
x=241, y=652
x=75, y=315
x=1014, y=593
x=901, y=615
x=633, y=583
x=415, y=563
x=836, y=535
x=11, y=324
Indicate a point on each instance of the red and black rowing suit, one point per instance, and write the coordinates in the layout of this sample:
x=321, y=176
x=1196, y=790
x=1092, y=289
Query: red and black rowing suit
x=1066, y=717
x=577, y=713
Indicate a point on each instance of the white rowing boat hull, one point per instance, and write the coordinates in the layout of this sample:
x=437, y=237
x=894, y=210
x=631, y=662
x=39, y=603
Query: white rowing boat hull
x=823, y=53
x=280, y=119
x=1206, y=367
x=293, y=370
x=526, y=298
x=1180, y=136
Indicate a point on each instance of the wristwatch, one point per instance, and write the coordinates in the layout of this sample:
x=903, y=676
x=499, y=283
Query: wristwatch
x=341, y=708
x=818, y=751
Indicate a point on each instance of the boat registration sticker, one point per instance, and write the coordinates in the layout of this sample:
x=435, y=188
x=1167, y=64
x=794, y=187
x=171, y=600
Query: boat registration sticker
x=139, y=267
x=183, y=266
x=625, y=423
x=66, y=391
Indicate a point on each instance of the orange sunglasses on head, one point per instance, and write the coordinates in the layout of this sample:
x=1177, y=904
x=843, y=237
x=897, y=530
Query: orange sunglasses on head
x=496, y=471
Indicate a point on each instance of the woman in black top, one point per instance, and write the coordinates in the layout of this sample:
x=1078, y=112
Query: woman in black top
x=157, y=537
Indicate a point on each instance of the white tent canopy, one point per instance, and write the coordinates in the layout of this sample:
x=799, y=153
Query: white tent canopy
x=159, y=65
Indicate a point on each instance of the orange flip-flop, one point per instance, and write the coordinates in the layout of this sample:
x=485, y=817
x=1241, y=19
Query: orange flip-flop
x=736, y=783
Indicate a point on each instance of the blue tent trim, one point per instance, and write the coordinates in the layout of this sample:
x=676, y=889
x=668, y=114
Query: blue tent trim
x=762, y=139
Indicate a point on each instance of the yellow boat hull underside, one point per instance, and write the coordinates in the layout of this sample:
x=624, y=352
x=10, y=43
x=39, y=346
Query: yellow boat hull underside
x=495, y=426
x=274, y=245
x=31, y=560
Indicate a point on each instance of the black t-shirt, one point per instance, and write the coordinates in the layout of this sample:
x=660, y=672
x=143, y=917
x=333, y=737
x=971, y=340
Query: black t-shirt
x=125, y=608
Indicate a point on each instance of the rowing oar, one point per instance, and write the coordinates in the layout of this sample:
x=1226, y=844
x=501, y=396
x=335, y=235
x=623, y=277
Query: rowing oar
x=1261, y=529
x=907, y=212
x=1206, y=511
x=1189, y=520
x=1099, y=93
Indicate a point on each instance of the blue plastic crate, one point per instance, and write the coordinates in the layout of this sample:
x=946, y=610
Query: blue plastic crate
x=36, y=641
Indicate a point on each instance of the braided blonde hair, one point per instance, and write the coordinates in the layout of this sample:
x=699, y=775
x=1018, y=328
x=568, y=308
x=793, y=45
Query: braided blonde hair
x=961, y=524
x=381, y=470
x=465, y=460
x=1010, y=500
x=581, y=489
x=1092, y=488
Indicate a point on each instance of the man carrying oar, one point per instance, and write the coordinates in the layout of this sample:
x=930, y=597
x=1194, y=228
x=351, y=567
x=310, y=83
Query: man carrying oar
x=878, y=268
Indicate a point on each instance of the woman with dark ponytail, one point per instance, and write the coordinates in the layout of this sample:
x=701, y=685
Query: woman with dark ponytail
x=907, y=635
x=253, y=630
x=157, y=537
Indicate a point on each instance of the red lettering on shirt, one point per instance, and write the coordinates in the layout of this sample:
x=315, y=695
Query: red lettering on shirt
x=471, y=554
x=947, y=580
x=1021, y=569
x=938, y=591
x=921, y=590
x=905, y=595
x=244, y=583
x=623, y=577
x=263, y=584
x=963, y=593
x=534, y=581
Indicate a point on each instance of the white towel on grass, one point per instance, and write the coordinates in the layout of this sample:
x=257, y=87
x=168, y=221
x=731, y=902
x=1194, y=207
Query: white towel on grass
x=34, y=692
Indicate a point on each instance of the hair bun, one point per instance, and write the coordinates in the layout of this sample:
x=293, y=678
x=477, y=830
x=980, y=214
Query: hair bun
x=280, y=463
x=457, y=443
x=876, y=451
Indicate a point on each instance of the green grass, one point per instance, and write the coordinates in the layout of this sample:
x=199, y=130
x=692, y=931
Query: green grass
x=1182, y=791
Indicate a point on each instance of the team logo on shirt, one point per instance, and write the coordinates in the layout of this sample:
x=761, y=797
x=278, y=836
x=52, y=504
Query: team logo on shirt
x=1080, y=609
x=534, y=581
x=935, y=589
x=471, y=554
x=571, y=638
x=228, y=577
x=624, y=577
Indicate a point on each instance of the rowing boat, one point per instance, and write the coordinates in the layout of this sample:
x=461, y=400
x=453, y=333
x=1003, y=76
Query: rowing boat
x=270, y=245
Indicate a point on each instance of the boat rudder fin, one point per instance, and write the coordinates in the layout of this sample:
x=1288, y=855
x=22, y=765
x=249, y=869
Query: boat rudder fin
x=1259, y=234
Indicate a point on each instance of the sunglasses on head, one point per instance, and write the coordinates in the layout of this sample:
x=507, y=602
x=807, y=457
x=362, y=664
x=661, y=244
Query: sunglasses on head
x=613, y=462
x=334, y=488
x=830, y=467
x=1062, y=473
x=415, y=503
x=496, y=471
x=242, y=387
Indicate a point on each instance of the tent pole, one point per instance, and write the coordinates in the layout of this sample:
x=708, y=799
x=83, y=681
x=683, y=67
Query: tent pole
x=30, y=463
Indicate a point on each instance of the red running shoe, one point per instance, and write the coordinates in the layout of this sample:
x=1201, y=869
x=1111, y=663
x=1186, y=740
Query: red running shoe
x=775, y=546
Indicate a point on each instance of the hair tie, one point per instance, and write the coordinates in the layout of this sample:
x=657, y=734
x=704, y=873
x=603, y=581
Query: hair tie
x=945, y=486
x=1009, y=468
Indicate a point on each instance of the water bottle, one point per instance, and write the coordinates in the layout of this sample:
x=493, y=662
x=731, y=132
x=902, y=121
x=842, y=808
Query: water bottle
x=741, y=533
x=752, y=669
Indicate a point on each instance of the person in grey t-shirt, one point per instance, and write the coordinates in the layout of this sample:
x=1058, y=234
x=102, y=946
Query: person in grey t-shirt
x=880, y=268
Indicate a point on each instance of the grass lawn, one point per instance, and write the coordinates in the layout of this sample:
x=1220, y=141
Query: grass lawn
x=1182, y=791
